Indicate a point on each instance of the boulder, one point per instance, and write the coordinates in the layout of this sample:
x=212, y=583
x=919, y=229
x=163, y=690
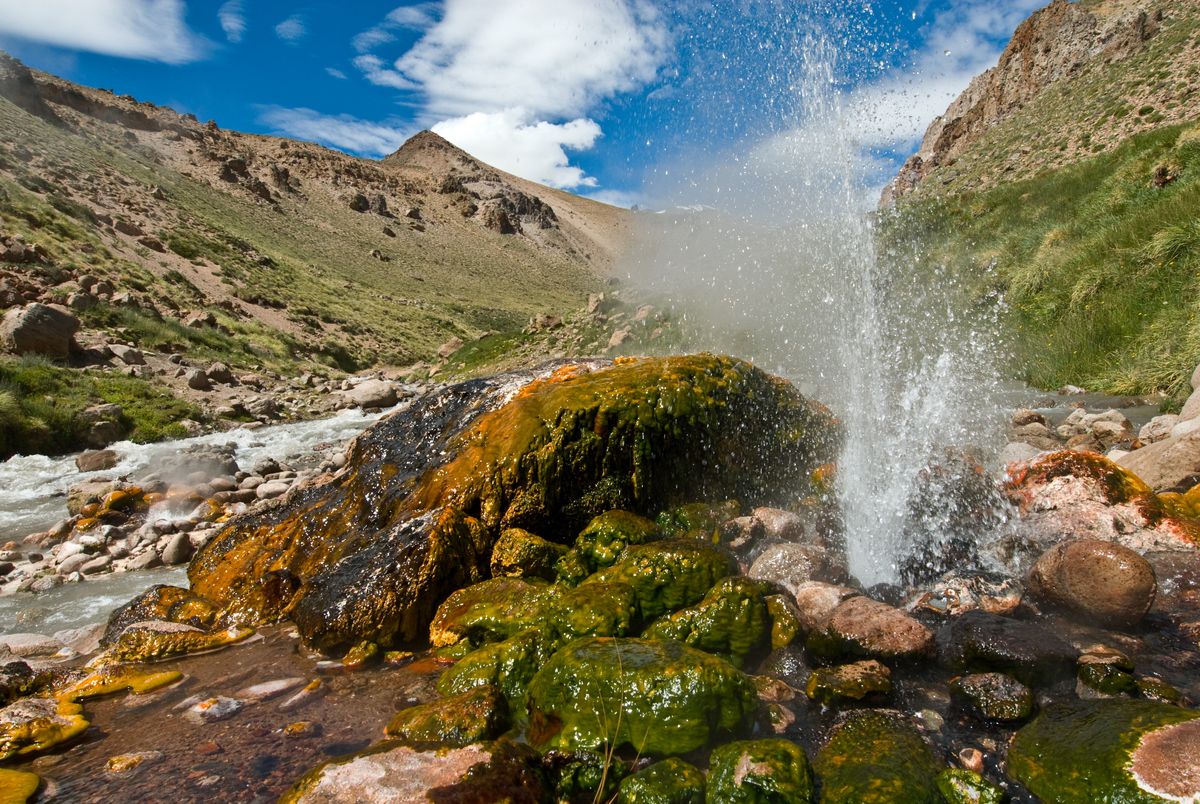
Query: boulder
x=731, y=621
x=791, y=565
x=1158, y=429
x=706, y=697
x=474, y=716
x=815, y=601
x=982, y=642
x=849, y=682
x=992, y=696
x=371, y=394
x=197, y=380
x=1172, y=464
x=519, y=553
x=96, y=460
x=862, y=627
x=39, y=329
x=1099, y=581
x=1112, y=750
x=875, y=757
x=671, y=781
x=378, y=547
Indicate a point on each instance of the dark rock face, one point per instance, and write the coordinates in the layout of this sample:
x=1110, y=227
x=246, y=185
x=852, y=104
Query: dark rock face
x=978, y=641
x=17, y=84
x=429, y=489
x=39, y=329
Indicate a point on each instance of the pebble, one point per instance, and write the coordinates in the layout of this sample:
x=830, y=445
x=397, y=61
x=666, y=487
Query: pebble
x=211, y=710
x=270, y=689
x=124, y=763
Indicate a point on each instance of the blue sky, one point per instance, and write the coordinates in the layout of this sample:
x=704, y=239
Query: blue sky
x=599, y=97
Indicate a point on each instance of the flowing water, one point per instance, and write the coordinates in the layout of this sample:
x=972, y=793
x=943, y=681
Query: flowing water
x=769, y=247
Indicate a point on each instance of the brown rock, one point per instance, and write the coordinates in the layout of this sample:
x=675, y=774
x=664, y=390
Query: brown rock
x=865, y=627
x=1172, y=464
x=815, y=601
x=1101, y=581
x=96, y=460
x=40, y=329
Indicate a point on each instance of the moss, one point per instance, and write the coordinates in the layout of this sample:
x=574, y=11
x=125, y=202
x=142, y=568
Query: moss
x=587, y=776
x=149, y=644
x=478, y=714
x=118, y=678
x=785, y=625
x=607, y=535
x=160, y=602
x=509, y=665
x=960, y=786
x=771, y=771
x=993, y=696
x=731, y=621
x=874, y=758
x=671, y=781
x=698, y=520
x=669, y=574
x=17, y=787
x=490, y=611
x=362, y=655
x=1081, y=752
x=1105, y=678
x=519, y=553
x=597, y=609
x=849, y=682
x=656, y=697
x=43, y=724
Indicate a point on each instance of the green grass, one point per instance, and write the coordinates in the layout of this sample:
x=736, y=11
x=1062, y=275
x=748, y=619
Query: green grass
x=41, y=403
x=1101, y=268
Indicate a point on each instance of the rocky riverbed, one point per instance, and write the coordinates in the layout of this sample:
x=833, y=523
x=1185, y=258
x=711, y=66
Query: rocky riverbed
x=627, y=581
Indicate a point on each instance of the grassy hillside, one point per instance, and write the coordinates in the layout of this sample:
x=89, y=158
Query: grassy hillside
x=1098, y=261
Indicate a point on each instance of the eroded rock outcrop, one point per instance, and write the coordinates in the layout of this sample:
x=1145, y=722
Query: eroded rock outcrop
x=371, y=553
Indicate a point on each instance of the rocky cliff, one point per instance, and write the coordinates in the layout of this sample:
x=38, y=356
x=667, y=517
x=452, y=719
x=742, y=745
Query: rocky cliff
x=1060, y=93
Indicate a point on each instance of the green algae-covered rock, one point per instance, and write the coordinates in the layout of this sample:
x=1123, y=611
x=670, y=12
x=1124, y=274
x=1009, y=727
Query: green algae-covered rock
x=849, y=682
x=521, y=554
x=655, y=697
x=771, y=771
x=585, y=777
x=961, y=786
x=475, y=715
x=668, y=575
x=572, y=568
x=509, y=665
x=877, y=758
x=607, y=536
x=490, y=611
x=372, y=552
x=785, y=621
x=1109, y=750
x=597, y=609
x=992, y=696
x=698, y=520
x=731, y=621
x=671, y=781
x=1106, y=678
x=160, y=602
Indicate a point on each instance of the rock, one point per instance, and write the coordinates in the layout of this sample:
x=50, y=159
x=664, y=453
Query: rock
x=19, y=786
x=474, y=716
x=1099, y=581
x=619, y=337
x=1172, y=464
x=849, y=682
x=450, y=347
x=390, y=773
x=95, y=566
x=372, y=394
x=864, y=627
x=39, y=329
x=96, y=460
x=127, y=763
x=790, y=565
x=29, y=646
x=211, y=710
x=37, y=723
x=731, y=621
x=667, y=575
x=492, y=611
x=219, y=373
x=876, y=758
x=381, y=545
x=962, y=786
x=671, y=781
x=1110, y=750
x=359, y=203
x=197, y=380
x=981, y=642
x=1026, y=416
x=706, y=697
x=609, y=534
x=957, y=593
x=992, y=696
x=1070, y=495
x=816, y=601
x=509, y=665
x=178, y=550
x=272, y=489
x=759, y=770
x=1158, y=429
x=521, y=554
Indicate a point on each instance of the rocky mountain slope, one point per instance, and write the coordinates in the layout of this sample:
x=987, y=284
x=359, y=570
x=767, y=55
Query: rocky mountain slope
x=1077, y=79
x=271, y=256
x=1065, y=183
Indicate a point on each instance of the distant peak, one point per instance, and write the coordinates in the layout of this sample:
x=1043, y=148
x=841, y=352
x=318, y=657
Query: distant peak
x=422, y=144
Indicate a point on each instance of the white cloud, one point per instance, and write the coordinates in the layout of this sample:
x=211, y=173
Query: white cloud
x=336, y=73
x=514, y=141
x=336, y=131
x=233, y=20
x=616, y=198
x=154, y=30
x=553, y=58
x=292, y=30
x=515, y=82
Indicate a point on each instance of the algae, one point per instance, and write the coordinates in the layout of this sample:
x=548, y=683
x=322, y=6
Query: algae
x=773, y=771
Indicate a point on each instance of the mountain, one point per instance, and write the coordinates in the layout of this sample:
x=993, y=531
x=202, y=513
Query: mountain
x=273, y=256
x=1065, y=182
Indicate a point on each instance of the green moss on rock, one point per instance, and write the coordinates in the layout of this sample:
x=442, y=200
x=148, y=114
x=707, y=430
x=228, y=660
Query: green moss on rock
x=594, y=610
x=849, y=682
x=607, y=536
x=785, y=623
x=1109, y=750
x=731, y=621
x=655, y=697
x=668, y=575
x=773, y=771
x=470, y=717
x=698, y=520
x=877, y=758
x=961, y=786
x=508, y=665
x=521, y=554
x=671, y=781
x=490, y=611
x=992, y=696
